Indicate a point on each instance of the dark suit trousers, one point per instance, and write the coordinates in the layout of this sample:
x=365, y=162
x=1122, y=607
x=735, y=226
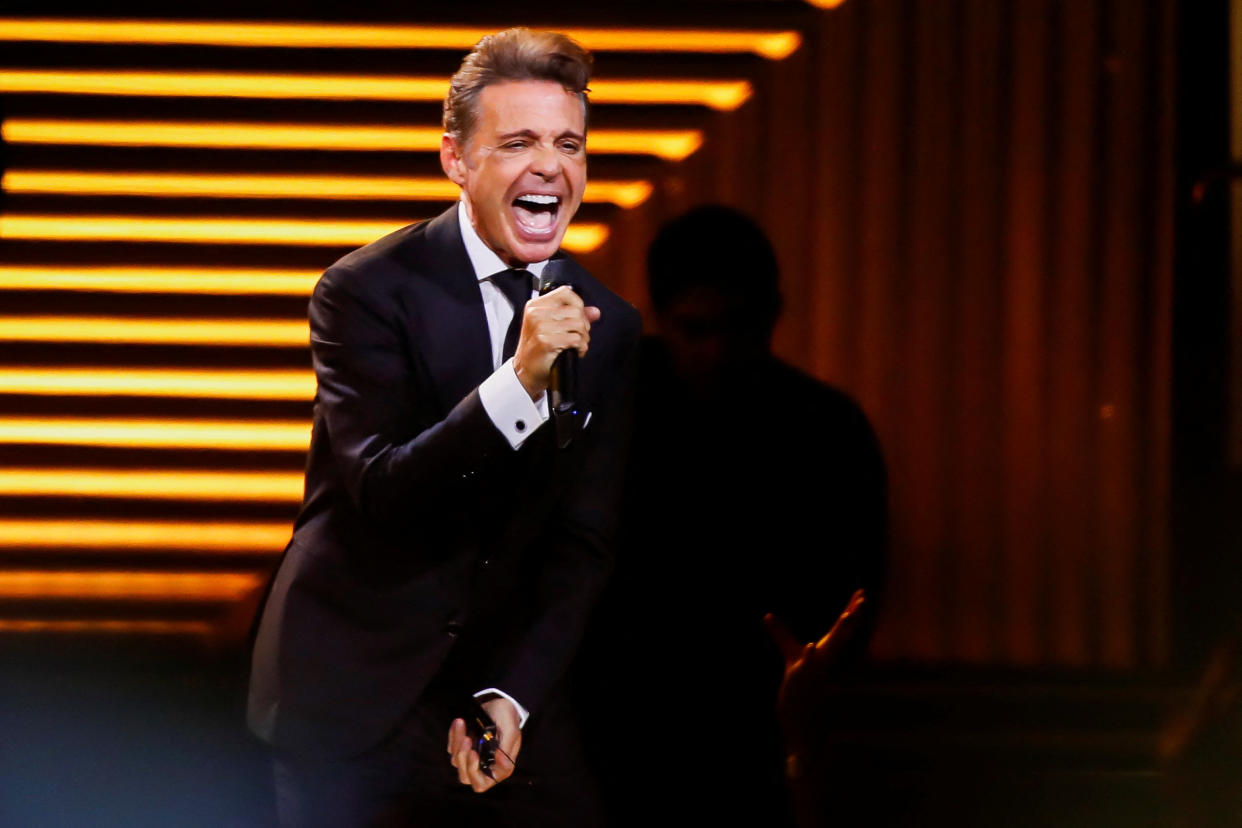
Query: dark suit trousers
x=407, y=780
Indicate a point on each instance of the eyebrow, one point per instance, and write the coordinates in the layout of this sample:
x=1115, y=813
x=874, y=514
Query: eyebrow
x=529, y=133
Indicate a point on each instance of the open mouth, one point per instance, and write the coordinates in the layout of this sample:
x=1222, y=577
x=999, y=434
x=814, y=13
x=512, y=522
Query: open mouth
x=536, y=213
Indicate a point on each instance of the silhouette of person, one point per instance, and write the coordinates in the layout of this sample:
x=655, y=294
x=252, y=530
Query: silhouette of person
x=752, y=488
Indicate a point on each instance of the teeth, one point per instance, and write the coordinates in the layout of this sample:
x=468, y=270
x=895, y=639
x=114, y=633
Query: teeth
x=539, y=199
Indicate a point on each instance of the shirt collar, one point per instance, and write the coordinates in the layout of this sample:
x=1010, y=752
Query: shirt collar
x=484, y=260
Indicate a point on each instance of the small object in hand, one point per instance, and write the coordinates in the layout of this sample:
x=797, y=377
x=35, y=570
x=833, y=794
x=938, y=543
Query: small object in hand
x=483, y=736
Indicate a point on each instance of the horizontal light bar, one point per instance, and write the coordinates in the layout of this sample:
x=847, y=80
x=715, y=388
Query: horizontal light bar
x=266, y=487
x=583, y=238
x=216, y=185
x=669, y=144
x=264, y=538
x=257, y=435
x=128, y=586
x=104, y=626
x=138, y=279
x=724, y=95
x=717, y=94
x=254, y=384
x=219, y=230
x=579, y=238
x=128, y=331
x=770, y=44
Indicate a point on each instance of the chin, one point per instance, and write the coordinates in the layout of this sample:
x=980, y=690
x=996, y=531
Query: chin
x=531, y=251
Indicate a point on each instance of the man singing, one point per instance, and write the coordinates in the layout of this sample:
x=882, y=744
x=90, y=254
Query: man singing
x=449, y=547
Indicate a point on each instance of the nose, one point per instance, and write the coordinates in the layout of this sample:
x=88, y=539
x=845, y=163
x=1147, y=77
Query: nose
x=545, y=162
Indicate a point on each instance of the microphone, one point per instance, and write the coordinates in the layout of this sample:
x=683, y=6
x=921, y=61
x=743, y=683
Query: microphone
x=563, y=383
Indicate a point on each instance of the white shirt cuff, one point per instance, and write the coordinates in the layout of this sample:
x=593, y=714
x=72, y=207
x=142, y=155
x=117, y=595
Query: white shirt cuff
x=493, y=691
x=509, y=406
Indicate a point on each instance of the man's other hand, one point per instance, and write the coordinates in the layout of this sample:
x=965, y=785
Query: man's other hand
x=809, y=668
x=823, y=653
x=554, y=322
x=466, y=759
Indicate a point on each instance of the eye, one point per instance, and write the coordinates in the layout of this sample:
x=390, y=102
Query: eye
x=515, y=144
x=570, y=147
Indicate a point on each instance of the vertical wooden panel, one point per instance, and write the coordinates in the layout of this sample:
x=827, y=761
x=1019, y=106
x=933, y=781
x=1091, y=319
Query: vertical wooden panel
x=1233, y=403
x=1118, y=331
x=785, y=159
x=976, y=308
x=929, y=279
x=910, y=612
x=1023, y=392
x=737, y=143
x=1159, y=401
x=833, y=206
x=1073, y=407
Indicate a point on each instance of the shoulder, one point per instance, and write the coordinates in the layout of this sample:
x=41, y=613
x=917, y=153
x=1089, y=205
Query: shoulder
x=368, y=267
x=829, y=403
x=424, y=244
x=381, y=252
x=426, y=247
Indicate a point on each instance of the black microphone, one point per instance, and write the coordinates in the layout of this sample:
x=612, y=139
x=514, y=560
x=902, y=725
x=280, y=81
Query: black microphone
x=563, y=382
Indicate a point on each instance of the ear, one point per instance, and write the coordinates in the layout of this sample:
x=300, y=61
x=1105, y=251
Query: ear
x=451, y=160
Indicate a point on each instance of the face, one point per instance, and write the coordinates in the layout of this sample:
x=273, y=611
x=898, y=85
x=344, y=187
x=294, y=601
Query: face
x=710, y=340
x=523, y=170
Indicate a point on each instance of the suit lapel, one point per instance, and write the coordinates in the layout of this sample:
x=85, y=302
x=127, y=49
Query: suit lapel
x=451, y=331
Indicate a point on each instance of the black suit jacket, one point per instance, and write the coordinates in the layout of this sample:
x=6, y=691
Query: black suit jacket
x=425, y=543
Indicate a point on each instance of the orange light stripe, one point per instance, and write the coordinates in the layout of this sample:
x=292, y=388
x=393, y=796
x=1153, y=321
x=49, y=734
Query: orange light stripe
x=159, y=382
x=222, y=84
x=255, y=435
x=130, y=586
x=579, y=238
x=215, y=185
x=266, y=487
x=312, y=232
x=141, y=279
x=772, y=44
x=722, y=95
x=129, y=331
x=717, y=94
x=669, y=144
x=261, y=538
x=104, y=626
x=583, y=238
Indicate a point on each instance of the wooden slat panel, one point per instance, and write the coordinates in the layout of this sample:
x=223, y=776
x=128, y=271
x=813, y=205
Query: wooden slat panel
x=976, y=306
x=1073, y=407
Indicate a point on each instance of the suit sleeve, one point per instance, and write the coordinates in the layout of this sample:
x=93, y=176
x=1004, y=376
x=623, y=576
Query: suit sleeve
x=396, y=464
x=579, y=544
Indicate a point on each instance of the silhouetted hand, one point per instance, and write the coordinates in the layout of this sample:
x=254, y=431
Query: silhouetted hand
x=809, y=667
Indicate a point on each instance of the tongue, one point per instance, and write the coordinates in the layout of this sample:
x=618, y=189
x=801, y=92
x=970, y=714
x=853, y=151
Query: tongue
x=534, y=219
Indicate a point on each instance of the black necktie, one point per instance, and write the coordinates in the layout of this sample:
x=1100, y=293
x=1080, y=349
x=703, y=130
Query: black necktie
x=516, y=286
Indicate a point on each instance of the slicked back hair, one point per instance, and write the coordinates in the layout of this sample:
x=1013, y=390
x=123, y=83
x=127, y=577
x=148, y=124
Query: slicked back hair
x=513, y=55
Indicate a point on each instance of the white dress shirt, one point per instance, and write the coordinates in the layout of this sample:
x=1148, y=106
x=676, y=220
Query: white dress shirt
x=503, y=396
